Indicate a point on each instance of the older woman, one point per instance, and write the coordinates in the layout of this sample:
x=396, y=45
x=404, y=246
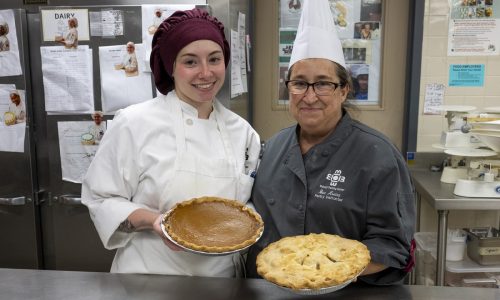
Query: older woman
x=330, y=173
x=98, y=128
x=129, y=60
x=180, y=145
x=4, y=41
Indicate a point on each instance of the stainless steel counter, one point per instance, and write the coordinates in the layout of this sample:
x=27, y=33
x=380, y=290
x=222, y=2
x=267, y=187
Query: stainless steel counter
x=62, y=285
x=440, y=196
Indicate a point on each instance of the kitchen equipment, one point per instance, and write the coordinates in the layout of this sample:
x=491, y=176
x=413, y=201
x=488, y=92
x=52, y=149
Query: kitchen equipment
x=483, y=245
x=454, y=136
x=482, y=180
x=459, y=160
x=490, y=140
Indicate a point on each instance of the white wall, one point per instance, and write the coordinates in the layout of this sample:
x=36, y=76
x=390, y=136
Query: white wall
x=435, y=66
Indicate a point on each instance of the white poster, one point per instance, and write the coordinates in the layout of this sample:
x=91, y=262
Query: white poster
x=12, y=138
x=10, y=65
x=65, y=25
x=434, y=96
x=474, y=28
x=67, y=79
x=108, y=23
x=242, y=50
x=77, y=147
x=152, y=16
x=12, y=118
x=123, y=80
x=236, y=80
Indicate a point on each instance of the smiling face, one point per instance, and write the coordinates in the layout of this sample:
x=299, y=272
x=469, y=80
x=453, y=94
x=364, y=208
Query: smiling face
x=199, y=72
x=317, y=115
x=15, y=98
x=130, y=48
x=363, y=82
x=97, y=119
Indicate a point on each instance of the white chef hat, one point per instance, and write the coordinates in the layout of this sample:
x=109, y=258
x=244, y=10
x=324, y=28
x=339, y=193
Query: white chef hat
x=316, y=35
x=97, y=113
x=360, y=70
x=14, y=92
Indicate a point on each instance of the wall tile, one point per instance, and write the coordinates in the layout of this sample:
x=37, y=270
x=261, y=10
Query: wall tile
x=492, y=86
x=436, y=66
x=438, y=7
x=438, y=26
x=492, y=66
x=435, y=46
x=430, y=123
x=491, y=101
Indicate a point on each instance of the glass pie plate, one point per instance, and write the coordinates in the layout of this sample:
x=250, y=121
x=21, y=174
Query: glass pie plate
x=320, y=291
x=163, y=228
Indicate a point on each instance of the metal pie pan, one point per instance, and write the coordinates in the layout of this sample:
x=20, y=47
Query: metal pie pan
x=165, y=216
x=320, y=291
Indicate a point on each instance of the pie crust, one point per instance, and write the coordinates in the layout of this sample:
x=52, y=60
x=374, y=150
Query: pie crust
x=213, y=225
x=9, y=118
x=312, y=261
x=87, y=139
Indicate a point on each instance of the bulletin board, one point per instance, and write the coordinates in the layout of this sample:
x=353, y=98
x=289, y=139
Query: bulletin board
x=359, y=24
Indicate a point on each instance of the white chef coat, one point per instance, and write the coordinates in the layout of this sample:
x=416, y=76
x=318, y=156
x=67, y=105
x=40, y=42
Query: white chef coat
x=97, y=131
x=4, y=43
x=71, y=38
x=129, y=62
x=19, y=111
x=156, y=154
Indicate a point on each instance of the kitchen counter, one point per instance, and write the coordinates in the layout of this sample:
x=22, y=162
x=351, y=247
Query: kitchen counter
x=440, y=196
x=62, y=285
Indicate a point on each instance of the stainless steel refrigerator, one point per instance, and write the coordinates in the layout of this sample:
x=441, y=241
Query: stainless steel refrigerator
x=42, y=221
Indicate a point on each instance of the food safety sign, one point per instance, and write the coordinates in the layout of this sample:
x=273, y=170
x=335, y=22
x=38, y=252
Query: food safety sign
x=473, y=28
x=466, y=75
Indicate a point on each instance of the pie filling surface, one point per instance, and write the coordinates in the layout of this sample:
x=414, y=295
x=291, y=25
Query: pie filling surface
x=212, y=224
x=312, y=261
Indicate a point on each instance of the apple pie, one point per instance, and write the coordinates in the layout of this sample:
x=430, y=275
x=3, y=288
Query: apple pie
x=9, y=118
x=213, y=225
x=312, y=261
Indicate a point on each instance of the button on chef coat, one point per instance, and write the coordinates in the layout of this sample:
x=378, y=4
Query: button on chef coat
x=133, y=168
x=354, y=184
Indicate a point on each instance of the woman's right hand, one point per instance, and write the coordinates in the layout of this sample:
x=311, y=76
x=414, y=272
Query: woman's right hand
x=166, y=241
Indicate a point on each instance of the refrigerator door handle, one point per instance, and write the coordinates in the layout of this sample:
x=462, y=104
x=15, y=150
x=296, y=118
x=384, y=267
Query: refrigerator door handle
x=69, y=200
x=14, y=201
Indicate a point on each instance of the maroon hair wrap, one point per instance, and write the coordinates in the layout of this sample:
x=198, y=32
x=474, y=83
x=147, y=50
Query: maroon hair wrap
x=176, y=32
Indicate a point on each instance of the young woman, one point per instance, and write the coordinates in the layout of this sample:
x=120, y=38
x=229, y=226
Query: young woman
x=180, y=145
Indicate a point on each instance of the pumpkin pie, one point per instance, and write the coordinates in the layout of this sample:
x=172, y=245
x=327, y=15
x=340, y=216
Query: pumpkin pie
x=312, y=261
x=213, y=225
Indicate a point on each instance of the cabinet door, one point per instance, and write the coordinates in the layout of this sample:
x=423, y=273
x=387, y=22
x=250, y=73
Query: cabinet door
x=19, y=214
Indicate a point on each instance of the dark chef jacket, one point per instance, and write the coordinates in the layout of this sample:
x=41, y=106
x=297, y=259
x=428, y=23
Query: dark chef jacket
x=354, y=184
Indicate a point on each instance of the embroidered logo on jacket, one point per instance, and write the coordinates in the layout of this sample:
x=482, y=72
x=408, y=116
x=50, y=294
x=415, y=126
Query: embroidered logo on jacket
x=331, y=191
x=335, y=178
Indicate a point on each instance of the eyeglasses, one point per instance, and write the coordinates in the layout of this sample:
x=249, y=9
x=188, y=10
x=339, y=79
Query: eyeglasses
x=321, y=88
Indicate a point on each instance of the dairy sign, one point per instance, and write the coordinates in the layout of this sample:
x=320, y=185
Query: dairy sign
x=56, y=23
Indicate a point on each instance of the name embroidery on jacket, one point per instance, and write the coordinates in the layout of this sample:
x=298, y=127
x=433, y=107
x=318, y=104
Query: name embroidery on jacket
x=331, y=190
